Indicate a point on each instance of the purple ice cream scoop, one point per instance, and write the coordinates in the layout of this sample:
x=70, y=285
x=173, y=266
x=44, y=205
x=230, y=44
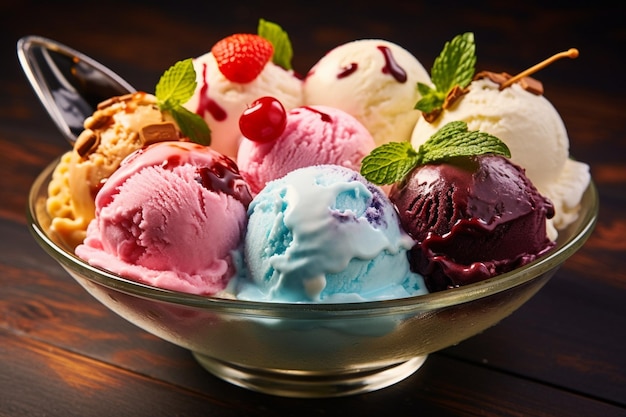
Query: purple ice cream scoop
x=473, y=218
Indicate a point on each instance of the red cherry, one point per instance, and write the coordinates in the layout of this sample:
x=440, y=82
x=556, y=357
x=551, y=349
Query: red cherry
x=264, y=120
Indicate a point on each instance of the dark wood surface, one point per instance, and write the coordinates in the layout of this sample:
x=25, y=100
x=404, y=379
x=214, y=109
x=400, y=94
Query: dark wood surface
x=561, y=354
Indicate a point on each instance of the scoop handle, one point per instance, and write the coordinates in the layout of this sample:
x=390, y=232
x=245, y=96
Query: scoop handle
x=68, y=83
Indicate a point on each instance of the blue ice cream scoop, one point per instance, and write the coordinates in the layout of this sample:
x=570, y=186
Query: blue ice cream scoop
x=325, y=234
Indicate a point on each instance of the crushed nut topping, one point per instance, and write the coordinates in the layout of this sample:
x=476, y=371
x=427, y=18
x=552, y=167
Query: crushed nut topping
x=529, y=84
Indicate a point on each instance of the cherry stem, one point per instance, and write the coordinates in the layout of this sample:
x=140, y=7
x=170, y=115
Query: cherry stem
x=570, y=53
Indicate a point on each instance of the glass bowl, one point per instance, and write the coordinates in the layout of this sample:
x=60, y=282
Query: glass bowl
x=312, y=350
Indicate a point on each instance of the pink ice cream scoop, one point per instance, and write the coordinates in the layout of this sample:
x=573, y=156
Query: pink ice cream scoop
x=171, y=216
x=313, y=135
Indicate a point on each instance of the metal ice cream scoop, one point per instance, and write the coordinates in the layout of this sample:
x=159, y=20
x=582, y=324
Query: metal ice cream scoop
x=68, y=83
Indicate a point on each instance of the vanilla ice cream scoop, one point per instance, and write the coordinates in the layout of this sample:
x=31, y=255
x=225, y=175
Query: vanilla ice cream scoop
x=373, y=80
x=534, y=132
x=528, y=124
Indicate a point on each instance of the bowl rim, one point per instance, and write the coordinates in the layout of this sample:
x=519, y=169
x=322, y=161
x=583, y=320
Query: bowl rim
x=583, y=227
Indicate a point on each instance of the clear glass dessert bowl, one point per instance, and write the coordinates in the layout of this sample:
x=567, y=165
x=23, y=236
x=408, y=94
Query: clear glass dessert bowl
x=312, y=350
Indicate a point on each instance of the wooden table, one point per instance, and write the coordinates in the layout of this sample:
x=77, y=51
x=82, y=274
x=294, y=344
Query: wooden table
x=562, y=354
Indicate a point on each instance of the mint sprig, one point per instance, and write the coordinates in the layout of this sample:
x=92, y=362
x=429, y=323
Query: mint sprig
x=389, y=162
x=455, y=66
x=283, y=51
x=392, y=161
x=175, y=87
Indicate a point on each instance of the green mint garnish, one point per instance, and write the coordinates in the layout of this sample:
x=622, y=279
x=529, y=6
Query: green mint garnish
x=392, y=161
x=175, y=87
x=455, y=66
x=389, y=163
x=455, y=139
x=177, y=84
x=283, y=52
x=192, y=125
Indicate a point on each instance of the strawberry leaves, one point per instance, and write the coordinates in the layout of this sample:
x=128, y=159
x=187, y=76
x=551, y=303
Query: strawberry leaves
x=283, y=51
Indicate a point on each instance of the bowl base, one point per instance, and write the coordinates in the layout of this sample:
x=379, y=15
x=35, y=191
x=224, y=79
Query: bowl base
x=304, y=384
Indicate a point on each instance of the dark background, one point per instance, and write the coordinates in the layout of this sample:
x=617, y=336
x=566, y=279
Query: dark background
x=110, y=32
x=561, y=354
x=316, y=26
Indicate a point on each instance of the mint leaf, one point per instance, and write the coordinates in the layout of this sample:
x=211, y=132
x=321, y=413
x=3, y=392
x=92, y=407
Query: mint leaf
x=175, y=87
x=431, y=99
x=192, y=125
x=392, y=161
x=283, y=51
x=389, y=162
x=177, y=84
x=454, y=139
x=454, y=66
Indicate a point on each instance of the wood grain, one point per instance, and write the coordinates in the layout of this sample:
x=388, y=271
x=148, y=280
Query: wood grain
x=561, y=354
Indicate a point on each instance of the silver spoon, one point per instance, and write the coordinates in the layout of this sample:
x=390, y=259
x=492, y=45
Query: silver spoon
x=68, y=83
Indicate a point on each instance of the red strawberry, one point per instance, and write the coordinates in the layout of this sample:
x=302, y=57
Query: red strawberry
x=242, y=57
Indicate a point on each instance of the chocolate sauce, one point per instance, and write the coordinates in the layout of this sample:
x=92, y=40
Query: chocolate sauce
x=223, y=176
x=206, y=104
x=215, y=172
x=391, y=66
x=472, y=217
